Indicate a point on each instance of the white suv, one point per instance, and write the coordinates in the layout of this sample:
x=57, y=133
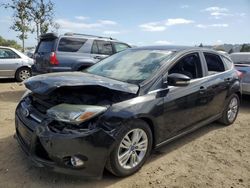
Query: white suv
x=14, y=64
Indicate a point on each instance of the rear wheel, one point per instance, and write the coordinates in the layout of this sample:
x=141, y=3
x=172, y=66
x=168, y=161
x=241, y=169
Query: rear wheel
x=23, y=74
x=132, y=149
x=231, y=111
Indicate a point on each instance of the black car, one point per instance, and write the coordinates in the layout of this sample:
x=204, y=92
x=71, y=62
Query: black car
x=72, y=52
x=114, y=113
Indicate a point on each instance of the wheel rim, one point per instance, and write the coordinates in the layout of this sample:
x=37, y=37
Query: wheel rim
x=233, y=109
x=132, y=148
x=24, y=74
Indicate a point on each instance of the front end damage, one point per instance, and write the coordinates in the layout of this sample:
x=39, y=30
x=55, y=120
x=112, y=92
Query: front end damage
x=76, y=149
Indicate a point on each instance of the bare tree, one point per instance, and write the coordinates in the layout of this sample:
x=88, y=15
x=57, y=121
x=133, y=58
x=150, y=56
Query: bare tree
x=21, y=17
x=42, y=14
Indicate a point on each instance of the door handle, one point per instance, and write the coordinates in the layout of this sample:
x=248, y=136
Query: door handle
x=203, y=89
x=228, y=79
x=97, y=57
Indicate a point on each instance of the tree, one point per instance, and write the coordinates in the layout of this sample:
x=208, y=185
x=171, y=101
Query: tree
x=9, y=43
x=21, y=18
x=201, y=45
x=42, y=13
x=245, y=48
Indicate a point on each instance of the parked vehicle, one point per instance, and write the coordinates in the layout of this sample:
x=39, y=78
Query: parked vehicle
x=14, y=64
x=114, y=113
x=242, y=63
x=72, y=52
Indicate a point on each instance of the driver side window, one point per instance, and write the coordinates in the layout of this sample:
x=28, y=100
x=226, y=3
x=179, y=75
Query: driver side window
x=189, y=65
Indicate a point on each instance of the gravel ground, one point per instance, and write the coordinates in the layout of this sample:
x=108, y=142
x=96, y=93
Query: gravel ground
x=213, y=156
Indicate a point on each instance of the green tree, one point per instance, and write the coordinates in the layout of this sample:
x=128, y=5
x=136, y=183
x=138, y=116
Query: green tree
x=201, y=45
x=9, y=43
x=42, y=14
x=21, y=18
x=245, y=48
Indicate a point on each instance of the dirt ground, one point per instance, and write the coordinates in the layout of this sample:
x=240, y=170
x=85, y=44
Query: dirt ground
x=213, y=156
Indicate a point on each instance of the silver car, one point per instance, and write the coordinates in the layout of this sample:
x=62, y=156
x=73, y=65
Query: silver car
x=242, y=64
x=14, y=64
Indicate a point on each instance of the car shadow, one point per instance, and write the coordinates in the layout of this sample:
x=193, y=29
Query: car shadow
x=7, y=80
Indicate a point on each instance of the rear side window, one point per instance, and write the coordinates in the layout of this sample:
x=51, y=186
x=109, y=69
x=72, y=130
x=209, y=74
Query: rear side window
x=120, y=46
x=102, y=47
x=8, y=54
x=228, y=63
x=70, y=44
x=45, y=46
x=214, y=63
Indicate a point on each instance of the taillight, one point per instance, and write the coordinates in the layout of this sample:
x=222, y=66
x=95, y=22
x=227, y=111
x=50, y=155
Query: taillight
x=240, y=74
x=53, y=59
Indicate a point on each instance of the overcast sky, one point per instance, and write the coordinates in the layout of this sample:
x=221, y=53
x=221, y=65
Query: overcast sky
x=144, y=22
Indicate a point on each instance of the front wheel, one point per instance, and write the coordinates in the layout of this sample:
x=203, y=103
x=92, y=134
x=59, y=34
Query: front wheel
x=231, y=111
x=132, y=149
x=23, y=74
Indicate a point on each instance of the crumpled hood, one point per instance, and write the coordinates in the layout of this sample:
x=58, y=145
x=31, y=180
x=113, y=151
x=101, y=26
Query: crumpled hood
x=46, y=83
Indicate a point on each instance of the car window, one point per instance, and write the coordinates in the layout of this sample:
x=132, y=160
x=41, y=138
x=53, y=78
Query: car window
x=189, y=65
x=228, y=63
x=8, y=54
x=67, y=44
x=45, y=46
x=102, y=47
x=214, y=63
x=120, y=46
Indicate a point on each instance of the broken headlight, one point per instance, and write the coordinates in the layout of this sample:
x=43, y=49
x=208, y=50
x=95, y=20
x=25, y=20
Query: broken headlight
x=74, y=114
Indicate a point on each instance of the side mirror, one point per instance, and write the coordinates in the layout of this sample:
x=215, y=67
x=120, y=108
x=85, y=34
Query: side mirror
x=176, y=79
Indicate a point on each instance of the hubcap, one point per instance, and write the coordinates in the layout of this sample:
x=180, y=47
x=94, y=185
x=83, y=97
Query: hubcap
x=233, y=109
x=133, y=148
x=24, y=74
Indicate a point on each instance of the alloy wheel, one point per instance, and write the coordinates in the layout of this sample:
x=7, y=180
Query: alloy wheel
x=232, y=109
x=132, y=148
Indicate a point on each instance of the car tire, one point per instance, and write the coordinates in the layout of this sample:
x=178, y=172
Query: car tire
x=231, y=110
x=116, y=163
x=23, y=74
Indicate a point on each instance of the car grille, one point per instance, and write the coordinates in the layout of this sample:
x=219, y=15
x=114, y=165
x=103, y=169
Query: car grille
x=39, y=104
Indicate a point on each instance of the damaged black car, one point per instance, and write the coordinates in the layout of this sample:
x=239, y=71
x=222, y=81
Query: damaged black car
x=116, y=112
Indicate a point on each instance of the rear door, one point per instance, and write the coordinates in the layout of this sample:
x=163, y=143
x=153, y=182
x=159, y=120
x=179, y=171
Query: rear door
x=101, y=49
x=218, y=82
x=9, y=61
x=42, y=54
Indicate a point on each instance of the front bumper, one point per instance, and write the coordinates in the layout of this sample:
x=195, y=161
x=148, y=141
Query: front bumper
x=53, y=150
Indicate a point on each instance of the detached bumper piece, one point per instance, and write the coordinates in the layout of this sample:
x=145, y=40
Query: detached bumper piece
x=81, y=154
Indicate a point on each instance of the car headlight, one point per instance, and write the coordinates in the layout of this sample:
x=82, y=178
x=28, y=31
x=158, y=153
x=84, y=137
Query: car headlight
x=74, y=114
x=26, y=93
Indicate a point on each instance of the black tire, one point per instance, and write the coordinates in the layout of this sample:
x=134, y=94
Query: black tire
x=113, y=164
x=23, y=74
x=225, y=120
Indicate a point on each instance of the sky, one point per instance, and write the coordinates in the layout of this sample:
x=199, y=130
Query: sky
x=149, y=22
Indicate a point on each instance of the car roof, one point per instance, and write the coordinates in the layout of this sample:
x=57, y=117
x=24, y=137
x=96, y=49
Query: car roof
x=76, y=35
x=6, y=47
x=172, y=48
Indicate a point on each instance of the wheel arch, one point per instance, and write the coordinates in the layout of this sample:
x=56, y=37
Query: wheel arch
x=151, y=126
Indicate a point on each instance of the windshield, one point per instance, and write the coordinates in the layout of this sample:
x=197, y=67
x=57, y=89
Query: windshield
x=131, y=66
